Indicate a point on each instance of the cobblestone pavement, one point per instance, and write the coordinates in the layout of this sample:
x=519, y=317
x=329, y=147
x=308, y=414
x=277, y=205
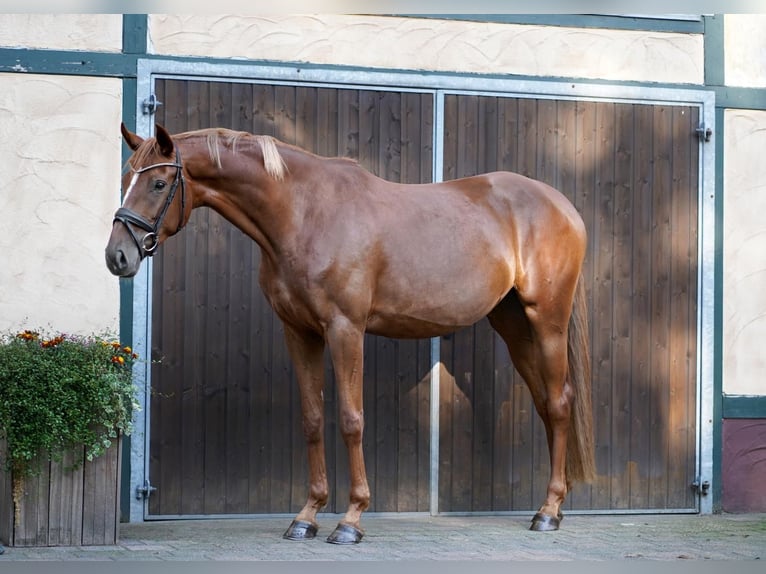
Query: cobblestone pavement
x=422, y=537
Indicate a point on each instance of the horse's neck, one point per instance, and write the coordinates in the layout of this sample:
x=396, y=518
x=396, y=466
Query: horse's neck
x=243, y=193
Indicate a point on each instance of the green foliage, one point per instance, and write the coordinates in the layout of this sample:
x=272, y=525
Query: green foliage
x=61, y=392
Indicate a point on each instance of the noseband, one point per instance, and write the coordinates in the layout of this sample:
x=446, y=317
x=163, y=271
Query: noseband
x=149, y=242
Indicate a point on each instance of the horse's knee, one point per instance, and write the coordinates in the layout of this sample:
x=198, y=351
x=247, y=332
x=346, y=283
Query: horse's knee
x=313, y=427
x=352, y=425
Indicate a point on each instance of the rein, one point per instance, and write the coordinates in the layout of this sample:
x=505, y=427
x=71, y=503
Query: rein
x=147, y=245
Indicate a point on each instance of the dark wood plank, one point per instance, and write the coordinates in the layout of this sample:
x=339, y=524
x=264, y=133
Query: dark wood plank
x=450, y=146
x=546, y=142
x=566, y=182
x=100, y=512
x=32, y=526
x=6, y=498
x=622, y=246
x=389, y=144
x=527, y=138
x=406, y=380
x=584, y=199
x=603, y=303
x=239, y=278
x=384, y=426
x=166, y=413
x=261, y=318
x=190, y=320
x=65, y=512
x=640, y=402
x=660, y=307
x=306, y=117
x=215, y=284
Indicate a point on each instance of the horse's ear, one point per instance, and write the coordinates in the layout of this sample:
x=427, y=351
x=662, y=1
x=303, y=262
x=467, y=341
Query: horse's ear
x=164, y=140
x=133, y=140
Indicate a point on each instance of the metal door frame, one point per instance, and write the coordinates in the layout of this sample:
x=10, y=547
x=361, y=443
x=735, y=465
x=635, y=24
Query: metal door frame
x=148, y=70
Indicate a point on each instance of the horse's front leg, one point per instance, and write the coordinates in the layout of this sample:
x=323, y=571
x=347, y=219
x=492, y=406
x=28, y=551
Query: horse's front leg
x=307, y=353
x=346, y=344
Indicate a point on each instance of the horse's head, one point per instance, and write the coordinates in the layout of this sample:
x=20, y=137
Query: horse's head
x=154, y=202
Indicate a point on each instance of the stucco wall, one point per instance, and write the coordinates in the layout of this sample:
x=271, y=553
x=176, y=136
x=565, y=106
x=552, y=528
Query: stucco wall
x=744, y=313
x=98, y=32
x=745, y=50
x=437, y=45
x=60, y=156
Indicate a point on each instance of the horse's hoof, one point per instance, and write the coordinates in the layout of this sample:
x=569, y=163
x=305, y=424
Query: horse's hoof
x=300, y=530
x=345, y=534
x=544, y=523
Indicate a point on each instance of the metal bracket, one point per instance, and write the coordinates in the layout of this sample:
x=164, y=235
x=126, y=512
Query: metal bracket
x=704, y=133
x=150, y=105
x=144, y=491
x=700, y=486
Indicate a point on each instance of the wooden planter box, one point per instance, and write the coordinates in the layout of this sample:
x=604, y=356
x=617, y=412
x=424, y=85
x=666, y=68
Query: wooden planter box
x=64, y=507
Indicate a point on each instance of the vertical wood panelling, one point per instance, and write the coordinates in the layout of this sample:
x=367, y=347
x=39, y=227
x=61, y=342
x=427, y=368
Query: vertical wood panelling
x=224, y=389
x=631, y=171
x=226, y=432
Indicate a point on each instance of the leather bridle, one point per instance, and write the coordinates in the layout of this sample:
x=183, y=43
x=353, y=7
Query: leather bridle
x=149, y=242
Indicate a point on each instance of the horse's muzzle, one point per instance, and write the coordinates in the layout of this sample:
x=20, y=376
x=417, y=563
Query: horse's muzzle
x=122, y=258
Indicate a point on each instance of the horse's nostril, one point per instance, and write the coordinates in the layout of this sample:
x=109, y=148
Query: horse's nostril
x=121, y=259
x=117, y=261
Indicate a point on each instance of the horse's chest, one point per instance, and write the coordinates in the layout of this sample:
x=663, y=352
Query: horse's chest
x=287, y=299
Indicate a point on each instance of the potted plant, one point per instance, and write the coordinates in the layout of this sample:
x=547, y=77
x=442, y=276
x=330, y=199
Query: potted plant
x=65, y=402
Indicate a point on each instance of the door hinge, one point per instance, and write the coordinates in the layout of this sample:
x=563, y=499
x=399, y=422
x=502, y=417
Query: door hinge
x=150, y=105
x=700, y=486
x=144, y=491
x=704, y=133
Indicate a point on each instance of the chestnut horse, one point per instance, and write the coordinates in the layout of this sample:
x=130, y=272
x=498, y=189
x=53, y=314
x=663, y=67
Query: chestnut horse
x=345, y=252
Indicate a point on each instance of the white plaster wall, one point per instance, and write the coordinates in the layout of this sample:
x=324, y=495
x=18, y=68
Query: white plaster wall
x=60, y=163
x=97, y=32
x=745, y=50
x=744, y=261
x=437, y=45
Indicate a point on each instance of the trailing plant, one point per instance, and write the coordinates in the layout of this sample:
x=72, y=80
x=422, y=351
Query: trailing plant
x=62, y=392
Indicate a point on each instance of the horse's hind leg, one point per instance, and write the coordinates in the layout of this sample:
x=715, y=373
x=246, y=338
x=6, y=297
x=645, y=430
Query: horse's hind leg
x=536, y=336
x=307, y=353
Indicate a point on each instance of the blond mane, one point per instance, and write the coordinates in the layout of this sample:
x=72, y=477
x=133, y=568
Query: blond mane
x=216, y=138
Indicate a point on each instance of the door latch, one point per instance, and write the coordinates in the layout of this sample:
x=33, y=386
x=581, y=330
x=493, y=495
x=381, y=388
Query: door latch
x=700, y=486
x=150, y=105
x=144, y=491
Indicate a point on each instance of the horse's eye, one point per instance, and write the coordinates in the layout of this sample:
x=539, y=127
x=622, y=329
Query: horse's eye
x=159, y=185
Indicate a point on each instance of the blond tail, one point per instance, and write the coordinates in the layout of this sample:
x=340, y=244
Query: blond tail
x=581, y=465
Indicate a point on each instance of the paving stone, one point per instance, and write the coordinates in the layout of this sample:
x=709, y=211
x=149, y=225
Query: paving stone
x=441, y=538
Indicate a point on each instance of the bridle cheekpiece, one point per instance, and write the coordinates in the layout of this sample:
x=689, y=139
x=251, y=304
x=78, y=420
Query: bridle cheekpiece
x=149, y=242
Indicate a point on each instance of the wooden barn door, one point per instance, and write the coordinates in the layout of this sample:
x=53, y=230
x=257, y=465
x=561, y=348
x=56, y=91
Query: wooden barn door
x=225, y=429
x=226, y=435
x=632, y=172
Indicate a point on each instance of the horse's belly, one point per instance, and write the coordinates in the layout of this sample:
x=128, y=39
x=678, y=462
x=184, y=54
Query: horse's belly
x=434, y=310
x=399, y=327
